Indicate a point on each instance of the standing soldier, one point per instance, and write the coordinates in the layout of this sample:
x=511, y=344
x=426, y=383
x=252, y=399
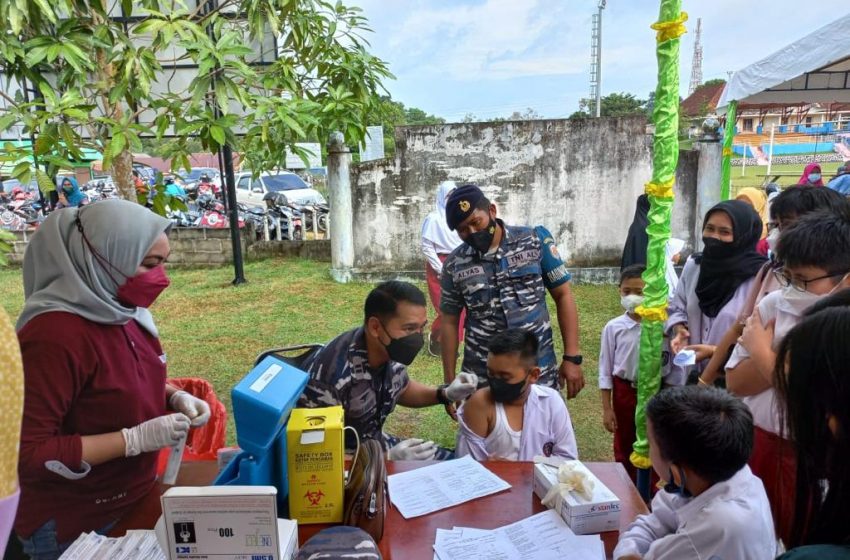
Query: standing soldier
x=499, y=275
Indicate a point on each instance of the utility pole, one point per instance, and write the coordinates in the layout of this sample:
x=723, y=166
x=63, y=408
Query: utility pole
x=596, y=60
x=696, y=66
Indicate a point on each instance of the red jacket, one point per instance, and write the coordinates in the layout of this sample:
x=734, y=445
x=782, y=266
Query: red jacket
x=84, y=378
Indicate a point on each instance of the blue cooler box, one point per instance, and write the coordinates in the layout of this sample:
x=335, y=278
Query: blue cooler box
x=262, y=402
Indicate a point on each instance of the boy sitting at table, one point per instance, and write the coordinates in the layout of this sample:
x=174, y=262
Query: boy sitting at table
x=713, y=506
x=513, y=418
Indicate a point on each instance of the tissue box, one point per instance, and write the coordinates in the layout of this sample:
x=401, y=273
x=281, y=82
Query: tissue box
x=600, y=514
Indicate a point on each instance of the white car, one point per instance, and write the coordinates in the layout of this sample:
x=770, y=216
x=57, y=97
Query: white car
x=251, y=191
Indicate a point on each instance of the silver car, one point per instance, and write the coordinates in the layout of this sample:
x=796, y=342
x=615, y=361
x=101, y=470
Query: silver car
x=251, y=191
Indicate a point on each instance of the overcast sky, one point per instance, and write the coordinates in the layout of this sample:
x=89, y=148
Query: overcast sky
x=494, y=57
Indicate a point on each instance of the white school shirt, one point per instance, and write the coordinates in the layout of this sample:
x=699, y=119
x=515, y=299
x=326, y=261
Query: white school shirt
x=546, y=430
x=729, y=521
x=764, y=406
x=619, y=352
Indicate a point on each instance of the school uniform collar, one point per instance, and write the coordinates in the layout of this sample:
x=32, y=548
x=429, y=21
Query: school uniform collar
x=535, y=396
x=695, y=506
x=629, y=322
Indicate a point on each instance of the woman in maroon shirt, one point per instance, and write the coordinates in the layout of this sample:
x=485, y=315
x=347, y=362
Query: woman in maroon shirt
x=96, y=406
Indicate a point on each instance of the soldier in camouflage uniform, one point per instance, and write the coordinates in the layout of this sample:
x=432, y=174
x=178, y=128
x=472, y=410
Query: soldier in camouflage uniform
x=365, y=371
x=500, y=275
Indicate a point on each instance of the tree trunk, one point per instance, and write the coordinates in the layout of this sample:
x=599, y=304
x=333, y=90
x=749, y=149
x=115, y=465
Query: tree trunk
x=122, y=175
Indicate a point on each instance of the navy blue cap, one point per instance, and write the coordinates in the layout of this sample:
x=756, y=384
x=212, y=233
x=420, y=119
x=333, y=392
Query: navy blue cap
x=461, y=204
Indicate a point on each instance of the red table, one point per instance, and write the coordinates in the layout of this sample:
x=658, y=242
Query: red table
x=412, y=539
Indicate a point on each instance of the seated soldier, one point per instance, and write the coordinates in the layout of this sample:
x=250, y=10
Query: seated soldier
x=365, y=371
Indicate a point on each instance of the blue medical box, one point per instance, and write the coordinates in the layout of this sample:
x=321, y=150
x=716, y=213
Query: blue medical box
x=262, y=402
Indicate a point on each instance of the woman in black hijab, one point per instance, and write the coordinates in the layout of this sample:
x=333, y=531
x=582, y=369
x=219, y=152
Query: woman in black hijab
x=714, y=284
x=634, y=251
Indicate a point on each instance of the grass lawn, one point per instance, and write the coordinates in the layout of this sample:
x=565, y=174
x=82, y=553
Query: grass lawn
x=753, y=175
x=213, y=330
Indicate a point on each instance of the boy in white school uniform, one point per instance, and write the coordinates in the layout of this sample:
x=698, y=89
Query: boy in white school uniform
x=514, y=418
x=713, y=506
x=618, y=368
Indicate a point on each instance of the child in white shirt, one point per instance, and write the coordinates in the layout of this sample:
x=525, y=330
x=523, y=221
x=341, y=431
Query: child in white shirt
x=513, y=418
x=712, y=506
x=618, y=368
x=815, y=257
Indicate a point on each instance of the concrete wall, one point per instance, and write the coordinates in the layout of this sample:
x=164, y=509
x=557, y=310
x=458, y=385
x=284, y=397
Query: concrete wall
x=314, y=250
x=199, y=247
x=578, y=178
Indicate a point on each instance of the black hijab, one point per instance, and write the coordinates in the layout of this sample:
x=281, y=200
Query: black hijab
x=634, y=252
x=725, y=266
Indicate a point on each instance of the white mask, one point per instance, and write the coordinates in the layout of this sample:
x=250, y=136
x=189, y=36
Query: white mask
x=800, y=301
x=631, y=302
x=773, y=239
x=797, y=300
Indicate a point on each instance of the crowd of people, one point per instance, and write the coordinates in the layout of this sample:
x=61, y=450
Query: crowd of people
x=748, y=438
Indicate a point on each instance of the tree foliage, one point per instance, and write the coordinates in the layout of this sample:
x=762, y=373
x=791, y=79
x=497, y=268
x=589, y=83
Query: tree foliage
x=613, y=105
x=390, y=114
x=714, y=82
x=103, y=81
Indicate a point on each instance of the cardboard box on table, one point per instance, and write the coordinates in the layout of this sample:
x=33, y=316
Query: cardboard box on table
x=225, y=523
x=316, y=464
x=262, y=403
x=599, y=514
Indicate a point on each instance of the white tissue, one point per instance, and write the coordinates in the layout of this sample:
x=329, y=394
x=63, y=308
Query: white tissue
x=569, y=480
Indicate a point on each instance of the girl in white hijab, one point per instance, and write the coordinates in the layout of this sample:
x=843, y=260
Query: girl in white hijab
x=438, y=241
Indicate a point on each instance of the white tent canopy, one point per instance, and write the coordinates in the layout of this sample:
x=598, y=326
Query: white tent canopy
x=814, y=69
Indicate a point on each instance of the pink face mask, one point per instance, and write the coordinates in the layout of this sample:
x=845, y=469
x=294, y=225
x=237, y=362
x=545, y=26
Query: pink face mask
x=142, y=289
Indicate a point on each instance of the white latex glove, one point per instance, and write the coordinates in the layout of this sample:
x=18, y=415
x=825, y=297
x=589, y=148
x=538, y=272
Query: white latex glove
x=196, y=409
x=463, y=385
x=153, y=435
x=413, y=449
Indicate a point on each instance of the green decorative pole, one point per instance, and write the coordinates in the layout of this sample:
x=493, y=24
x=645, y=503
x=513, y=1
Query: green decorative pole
x=728, y=136
x=670, y=26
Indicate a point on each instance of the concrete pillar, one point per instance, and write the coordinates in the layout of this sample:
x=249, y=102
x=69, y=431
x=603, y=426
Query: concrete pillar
x=708, y=183
x=339, y=193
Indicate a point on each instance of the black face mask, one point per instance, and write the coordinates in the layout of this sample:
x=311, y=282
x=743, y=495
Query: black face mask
x=505, y=392
x=481, y=240
x=404, y=350
x=718, y=249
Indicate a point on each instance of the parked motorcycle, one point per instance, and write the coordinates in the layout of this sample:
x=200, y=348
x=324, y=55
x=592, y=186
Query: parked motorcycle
x=258, y=218
x=21, y=214
x=315, y=213
x=289, y=221
x=184, y=218
x=213, y=214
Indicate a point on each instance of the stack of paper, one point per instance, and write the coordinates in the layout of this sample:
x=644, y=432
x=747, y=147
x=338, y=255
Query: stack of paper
x=135, y=545
x=540, y=537
x=443, y=485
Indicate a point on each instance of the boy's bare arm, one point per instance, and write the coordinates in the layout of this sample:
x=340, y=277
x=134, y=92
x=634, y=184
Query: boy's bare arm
x=477, y=413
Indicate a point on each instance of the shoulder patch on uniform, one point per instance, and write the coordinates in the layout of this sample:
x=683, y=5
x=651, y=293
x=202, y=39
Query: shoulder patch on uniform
x=558, y=273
